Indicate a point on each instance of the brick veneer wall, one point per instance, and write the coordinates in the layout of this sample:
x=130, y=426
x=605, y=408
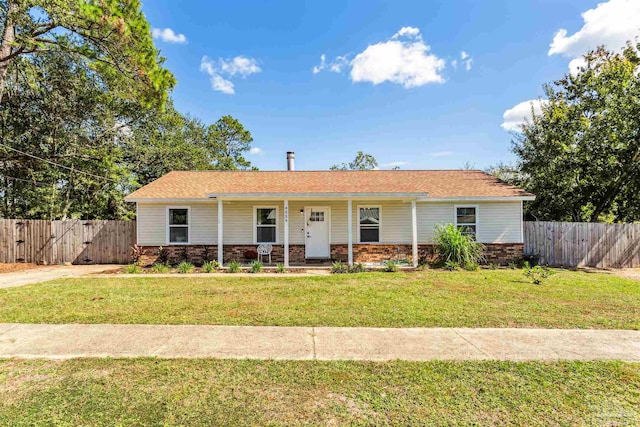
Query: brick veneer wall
x=504, y=253
x=236, y=253
x=499, y=253
x=198, y=254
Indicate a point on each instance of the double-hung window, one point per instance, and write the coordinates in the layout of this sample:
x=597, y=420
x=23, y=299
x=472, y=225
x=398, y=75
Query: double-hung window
x=266, y=224
x=467, y=220
x=178, y=225
x=369, y=224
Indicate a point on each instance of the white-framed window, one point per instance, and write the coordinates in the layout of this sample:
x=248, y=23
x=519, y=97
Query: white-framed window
x=369, y=224
x=178, y=225
x=466, y=219
x=265, y=224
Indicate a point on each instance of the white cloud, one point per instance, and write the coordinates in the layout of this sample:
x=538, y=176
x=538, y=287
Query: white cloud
x=403, y=59
x=335, y=66
x=404, y=62
x=239, y=65
x=411, y=32
x=323, y=64
x=467, y=60
x=221, y=84
x=441, y=153
x=393, y=164
x=516, y=116
x=218, y=70
x=610, y=23
x=257, y=151
x=339, y=64
x=168, y=35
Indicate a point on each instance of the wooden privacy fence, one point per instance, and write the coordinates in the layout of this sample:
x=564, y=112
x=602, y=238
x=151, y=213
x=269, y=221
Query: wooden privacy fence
x=583, y=244
x=74, y=241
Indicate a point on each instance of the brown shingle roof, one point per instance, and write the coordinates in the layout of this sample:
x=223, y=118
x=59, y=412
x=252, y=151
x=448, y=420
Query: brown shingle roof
x=431, y=183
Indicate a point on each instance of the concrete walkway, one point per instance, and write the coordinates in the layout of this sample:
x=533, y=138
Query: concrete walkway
x=315, y=343
x=44, y=274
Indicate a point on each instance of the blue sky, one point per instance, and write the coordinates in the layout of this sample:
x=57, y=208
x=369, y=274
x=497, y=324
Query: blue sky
x=395, y=82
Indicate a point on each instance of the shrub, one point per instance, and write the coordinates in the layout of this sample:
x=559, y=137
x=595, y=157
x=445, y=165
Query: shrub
x=390, y=266
x=471, y=267
x=163, y=256
x=234, y=267
x=537, y=274
x=339, y=267
x=185, y=267
x=159, y=268
x=256, y=267
x=280, y=268
x=451, y=265
x=210, y=266
x=357, y=268
x=513, y=265
x=136, y=253
x=184, y=254
x=451, y=245
x=250, y=254
x=132, y=269
x=493, y=266
x=423, y=267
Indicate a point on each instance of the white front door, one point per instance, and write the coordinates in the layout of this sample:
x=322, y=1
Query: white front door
x=317, y=229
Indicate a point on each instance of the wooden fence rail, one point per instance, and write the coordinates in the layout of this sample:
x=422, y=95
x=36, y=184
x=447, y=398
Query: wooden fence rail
x=74, y=241
x=583, y=244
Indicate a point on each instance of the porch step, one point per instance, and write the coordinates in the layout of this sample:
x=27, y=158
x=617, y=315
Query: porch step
x=317, y=261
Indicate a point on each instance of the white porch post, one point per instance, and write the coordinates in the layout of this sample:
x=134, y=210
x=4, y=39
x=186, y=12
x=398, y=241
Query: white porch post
x=414, y=232
x=350, y=231
x=220, y=233
x=286, y=233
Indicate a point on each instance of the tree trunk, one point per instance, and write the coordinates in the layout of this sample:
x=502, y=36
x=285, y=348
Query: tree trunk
x=8, y=38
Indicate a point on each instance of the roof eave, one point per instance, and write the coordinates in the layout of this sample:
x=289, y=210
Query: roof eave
x=478, y=198
x=392, y=195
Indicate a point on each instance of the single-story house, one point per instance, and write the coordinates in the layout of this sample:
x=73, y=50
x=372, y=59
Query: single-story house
x=352, y=216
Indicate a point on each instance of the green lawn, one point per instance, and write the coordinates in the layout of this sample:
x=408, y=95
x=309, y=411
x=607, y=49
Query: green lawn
x=149, y=392
x=486, y=298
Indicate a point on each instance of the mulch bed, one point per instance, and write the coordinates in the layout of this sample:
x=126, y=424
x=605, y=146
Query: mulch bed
x=13, y=267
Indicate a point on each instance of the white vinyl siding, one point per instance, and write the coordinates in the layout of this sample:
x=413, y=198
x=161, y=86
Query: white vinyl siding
x=498, y=222
x=152, y=223
x=395, y=222
x=395, y=225
x=238, y=221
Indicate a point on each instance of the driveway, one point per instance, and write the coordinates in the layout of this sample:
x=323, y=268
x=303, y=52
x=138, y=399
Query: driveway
x=44, y=274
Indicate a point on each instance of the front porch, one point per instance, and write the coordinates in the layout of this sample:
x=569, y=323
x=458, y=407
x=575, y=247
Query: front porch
x=308, y=231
